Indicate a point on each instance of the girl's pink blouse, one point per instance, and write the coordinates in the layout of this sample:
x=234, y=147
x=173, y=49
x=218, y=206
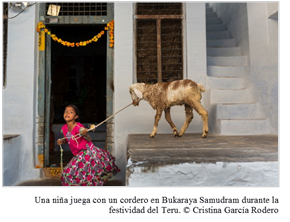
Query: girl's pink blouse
x=76, y=145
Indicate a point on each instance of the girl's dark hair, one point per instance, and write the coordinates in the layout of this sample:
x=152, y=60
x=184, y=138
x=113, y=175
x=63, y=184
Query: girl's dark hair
x=76, y=109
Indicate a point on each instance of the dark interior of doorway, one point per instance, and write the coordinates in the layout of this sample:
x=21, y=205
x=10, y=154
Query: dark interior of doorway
x=78, y=77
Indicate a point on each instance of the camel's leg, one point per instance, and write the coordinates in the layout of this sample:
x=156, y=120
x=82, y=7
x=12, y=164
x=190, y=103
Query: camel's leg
x=204, y=116
x=188, y=119
x=157, y=118
x=168, y=118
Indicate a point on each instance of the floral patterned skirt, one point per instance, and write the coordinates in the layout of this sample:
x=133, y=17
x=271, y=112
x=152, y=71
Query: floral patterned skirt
x=90, y=167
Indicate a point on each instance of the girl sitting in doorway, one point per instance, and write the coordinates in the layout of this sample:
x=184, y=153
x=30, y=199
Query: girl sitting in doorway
x=90, y=165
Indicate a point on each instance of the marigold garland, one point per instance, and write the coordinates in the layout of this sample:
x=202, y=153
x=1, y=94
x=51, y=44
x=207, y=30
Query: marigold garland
x=110, y=26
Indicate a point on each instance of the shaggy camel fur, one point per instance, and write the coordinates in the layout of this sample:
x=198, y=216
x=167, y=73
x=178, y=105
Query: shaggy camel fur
x=161, y=96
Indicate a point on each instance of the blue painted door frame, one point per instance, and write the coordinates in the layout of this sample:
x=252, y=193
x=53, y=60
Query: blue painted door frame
x=44, y=85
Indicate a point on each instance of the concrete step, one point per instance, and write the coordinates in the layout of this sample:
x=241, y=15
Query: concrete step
x=212, y=21
x=218, y=35
x=193, y=161
x=211, y=15
x=232, y=51
x=244, y=127
x=231, y=96
x=226, y=82
x=216, y=27
x=238, y=111
x=226, y=71
x=221, y=43
x=226, y=61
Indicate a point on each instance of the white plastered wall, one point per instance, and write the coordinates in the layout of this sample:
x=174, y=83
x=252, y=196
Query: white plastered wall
x=140, y=119
x=19, y=97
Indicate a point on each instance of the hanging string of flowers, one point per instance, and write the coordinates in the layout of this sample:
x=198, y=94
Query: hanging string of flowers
x=109, y=27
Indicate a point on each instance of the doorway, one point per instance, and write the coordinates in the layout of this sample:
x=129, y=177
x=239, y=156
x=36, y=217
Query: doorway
x=79, y=77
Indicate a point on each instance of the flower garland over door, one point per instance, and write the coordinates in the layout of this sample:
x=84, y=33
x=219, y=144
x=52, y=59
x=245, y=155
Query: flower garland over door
x=109, y=27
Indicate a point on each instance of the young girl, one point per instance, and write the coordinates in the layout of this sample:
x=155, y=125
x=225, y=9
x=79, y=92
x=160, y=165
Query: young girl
x=90, y=165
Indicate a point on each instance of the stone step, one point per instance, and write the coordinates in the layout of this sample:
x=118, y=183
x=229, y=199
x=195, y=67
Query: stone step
x=244, y=127
x=218, y=35
x=238, y=111
x=226, y=82
x=231, y=51
x=212, y=21
x=208, y=9
x=211, y=15
x=226, y=71
x=194, y=161
x=231, y=96
x=216, y=27
x=226, y=61
x=221, y=43
x=189, y=148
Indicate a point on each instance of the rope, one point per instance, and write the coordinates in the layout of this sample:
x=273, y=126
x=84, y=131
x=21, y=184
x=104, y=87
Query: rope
x=93, y=127
x=61, y=161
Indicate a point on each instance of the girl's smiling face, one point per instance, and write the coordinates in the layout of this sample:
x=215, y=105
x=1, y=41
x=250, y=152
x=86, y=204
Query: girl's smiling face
x=69, y=114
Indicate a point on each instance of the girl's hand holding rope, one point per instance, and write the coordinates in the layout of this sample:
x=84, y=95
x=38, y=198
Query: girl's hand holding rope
x=61, y=141
x=84, y=133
